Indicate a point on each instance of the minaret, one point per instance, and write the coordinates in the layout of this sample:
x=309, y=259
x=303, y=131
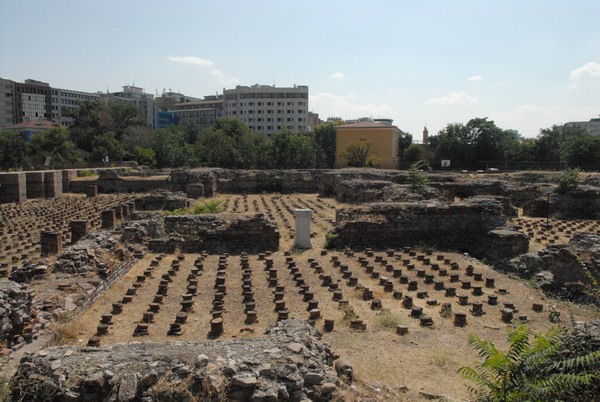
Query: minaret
x=425, y=135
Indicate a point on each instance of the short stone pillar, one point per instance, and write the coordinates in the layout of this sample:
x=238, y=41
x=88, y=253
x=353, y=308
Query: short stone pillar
x=50, y=243
x=108, y=218
x=79, y=229
x=91, y=191
x=302, y=237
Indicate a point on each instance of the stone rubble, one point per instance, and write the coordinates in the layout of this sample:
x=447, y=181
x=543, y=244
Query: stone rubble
x=18, y=316
x=289, y=363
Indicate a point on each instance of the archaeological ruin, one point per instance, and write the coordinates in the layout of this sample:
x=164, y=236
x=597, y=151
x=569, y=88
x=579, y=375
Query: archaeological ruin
x=138, y=285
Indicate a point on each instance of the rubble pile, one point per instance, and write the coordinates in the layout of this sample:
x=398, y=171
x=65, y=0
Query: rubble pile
x=290, y=363
x=18, y=316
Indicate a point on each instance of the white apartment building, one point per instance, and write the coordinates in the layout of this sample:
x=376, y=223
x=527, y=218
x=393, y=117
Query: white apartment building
x=267, y=109
x=592, y=127
x=68, y=99
x=137, y=97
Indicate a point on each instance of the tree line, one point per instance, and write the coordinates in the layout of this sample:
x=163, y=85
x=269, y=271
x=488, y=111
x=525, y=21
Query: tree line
x=480, y=141
x=116, y=132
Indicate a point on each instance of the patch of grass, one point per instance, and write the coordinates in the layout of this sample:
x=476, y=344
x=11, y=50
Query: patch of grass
x=386, y=319
x=86, y=172
x=66, y=332
x=441, y=360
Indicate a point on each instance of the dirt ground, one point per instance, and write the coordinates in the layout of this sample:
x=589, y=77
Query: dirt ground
x=421, y=363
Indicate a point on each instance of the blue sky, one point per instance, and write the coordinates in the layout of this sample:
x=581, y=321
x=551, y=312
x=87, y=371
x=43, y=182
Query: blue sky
x=525, y=64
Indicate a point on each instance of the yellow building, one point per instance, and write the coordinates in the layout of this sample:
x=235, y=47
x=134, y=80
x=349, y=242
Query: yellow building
x=384, y=141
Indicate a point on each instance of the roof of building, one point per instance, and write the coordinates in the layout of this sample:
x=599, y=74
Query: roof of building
x=34, y=124
x=365, y=124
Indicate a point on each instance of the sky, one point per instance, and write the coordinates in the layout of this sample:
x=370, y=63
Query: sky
x=525, y=64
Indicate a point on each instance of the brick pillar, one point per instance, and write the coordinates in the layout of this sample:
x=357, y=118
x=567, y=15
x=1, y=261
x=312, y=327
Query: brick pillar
x=50, y=243
x=67, y=176
x=118, y=212
x=53, y=183
x=35, y=185
x=79, y=229
x=124, y=210
x=91, y=191
x=13, y=187
x=139, y=204
x=109, y=219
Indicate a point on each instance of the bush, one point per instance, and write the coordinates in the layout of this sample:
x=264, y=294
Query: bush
x=568, y=180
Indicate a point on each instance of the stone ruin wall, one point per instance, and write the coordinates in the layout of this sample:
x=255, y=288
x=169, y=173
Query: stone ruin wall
x=217, y=233
x=470, y=226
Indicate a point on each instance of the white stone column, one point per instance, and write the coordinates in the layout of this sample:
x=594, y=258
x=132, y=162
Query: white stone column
x=302, y=238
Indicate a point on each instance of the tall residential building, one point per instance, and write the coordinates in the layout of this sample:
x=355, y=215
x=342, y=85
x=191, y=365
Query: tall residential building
x=67, y=99
x=168, y=100
x=137, y=97
x=198, y=114
x=267, y=109
x=592, y=127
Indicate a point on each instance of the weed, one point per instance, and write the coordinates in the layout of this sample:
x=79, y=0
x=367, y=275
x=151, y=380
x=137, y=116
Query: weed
x=349, y=313
x=330, y=239
x=387, y=319
x=86, y=172
x=66, y=332
x=209, y=207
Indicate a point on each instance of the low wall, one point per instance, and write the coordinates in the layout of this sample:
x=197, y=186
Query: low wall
x=462, y=226
x=217, y=233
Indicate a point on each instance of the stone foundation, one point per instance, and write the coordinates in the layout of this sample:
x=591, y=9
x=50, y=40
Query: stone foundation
x=50, y=243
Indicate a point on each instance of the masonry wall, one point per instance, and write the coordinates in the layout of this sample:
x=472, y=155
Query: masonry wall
x=218, y=233
x=463, y=227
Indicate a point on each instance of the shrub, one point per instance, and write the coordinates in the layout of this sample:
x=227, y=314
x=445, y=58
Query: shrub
x=568, y=180
x=416, y=177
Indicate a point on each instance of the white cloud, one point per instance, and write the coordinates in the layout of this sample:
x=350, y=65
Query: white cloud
x=586, y=73
x=455, y=98
x=475, y=78
x=337, y=76
x=224, y=79
x=347, y=107
x=192, y=60
x=221, y=77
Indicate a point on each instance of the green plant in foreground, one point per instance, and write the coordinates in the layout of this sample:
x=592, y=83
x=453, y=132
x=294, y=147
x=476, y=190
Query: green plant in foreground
x=416, y=177
x=528, y=371
x=568, y=180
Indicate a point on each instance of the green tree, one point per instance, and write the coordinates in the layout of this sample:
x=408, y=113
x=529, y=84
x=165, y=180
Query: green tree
x=145, y=156
x=325, y=144
x=413, y=153
x=216, y=149
x=13, y=150
x=171, y=148
x=528, y=371
x=455, y=143
x=55, y=144
x=550, y=141
x=581, y=151
x=357, y=153
x=95, y=118
x=107, y=145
